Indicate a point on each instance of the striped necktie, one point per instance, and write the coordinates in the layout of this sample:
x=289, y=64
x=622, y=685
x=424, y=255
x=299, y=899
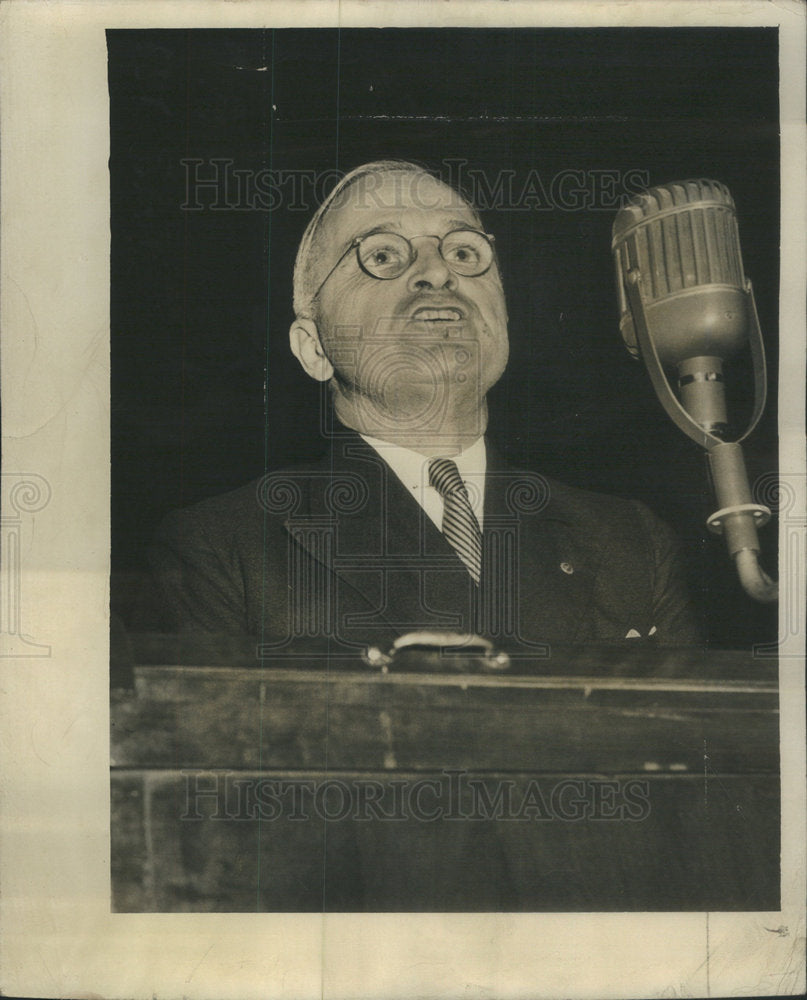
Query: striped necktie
x=460, y=525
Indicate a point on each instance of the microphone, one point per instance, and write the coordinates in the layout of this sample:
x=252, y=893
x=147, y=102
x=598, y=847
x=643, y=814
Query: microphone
x=686, y=307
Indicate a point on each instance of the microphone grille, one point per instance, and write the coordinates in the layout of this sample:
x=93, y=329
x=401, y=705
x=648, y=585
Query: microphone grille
x=678, y=235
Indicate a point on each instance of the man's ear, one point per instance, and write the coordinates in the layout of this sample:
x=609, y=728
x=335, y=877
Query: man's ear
x=307, y=348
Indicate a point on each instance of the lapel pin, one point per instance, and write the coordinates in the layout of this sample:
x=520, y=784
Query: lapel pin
x=567, y=568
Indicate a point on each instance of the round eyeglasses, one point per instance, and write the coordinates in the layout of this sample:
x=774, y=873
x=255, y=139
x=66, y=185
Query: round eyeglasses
x=467, y=252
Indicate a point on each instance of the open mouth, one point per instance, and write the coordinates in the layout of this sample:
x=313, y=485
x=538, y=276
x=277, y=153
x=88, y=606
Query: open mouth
x=429, y=314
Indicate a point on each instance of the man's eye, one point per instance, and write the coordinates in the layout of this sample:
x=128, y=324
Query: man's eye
x=384, y=256
x=463, y=254
x=384, y=259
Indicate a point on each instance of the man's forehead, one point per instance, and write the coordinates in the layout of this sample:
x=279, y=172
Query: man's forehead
x=390, y=200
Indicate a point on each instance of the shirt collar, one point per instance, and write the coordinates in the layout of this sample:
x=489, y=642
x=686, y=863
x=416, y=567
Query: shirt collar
x=412, y=469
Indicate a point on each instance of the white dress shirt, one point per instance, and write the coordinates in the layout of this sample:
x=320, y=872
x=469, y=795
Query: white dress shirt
x=412, y=469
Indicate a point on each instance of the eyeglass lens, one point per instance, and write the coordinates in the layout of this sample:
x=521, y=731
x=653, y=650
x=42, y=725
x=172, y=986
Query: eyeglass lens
x=388, y=255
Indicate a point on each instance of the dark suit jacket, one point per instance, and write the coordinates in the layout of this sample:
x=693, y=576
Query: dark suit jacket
x=339, y=549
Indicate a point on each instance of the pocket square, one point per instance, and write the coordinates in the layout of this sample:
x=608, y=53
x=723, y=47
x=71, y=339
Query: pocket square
x=633, y=634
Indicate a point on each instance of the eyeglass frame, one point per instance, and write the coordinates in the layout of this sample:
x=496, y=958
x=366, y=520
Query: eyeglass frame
x=432, y=236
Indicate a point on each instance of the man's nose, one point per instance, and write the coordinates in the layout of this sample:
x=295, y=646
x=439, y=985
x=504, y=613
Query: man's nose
x=429, y=270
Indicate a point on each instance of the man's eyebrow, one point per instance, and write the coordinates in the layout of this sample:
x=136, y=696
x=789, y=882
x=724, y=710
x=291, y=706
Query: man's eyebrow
x=393, y=226
x=384, y=227
x=464, y=224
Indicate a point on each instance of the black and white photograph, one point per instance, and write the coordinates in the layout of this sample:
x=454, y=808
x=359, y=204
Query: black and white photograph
x=453, y=553
x=495, y=689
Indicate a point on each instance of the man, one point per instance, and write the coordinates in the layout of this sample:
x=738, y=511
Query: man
x=412, y=521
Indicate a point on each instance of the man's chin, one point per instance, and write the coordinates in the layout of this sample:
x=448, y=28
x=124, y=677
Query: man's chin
x=401, y=405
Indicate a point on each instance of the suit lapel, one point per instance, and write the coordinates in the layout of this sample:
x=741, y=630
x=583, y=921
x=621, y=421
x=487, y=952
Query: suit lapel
x=393, y=571
x=549, y=576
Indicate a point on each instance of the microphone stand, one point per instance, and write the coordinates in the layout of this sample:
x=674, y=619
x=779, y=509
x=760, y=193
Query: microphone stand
x=704, y=420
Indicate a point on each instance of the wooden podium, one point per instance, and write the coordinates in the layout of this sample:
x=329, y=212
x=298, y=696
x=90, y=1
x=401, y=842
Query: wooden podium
x=590, y=779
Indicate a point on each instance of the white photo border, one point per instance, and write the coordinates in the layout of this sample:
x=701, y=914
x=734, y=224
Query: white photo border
x=59, y=937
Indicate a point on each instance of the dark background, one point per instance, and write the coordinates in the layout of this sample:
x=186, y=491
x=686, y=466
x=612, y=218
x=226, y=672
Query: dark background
x=205, y=394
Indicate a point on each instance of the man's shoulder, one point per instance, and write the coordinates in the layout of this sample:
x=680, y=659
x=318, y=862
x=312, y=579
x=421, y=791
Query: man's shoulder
x=277, y=494
x=553, y=499
x=576, y=503
x=593, y=522
x=242, y=501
